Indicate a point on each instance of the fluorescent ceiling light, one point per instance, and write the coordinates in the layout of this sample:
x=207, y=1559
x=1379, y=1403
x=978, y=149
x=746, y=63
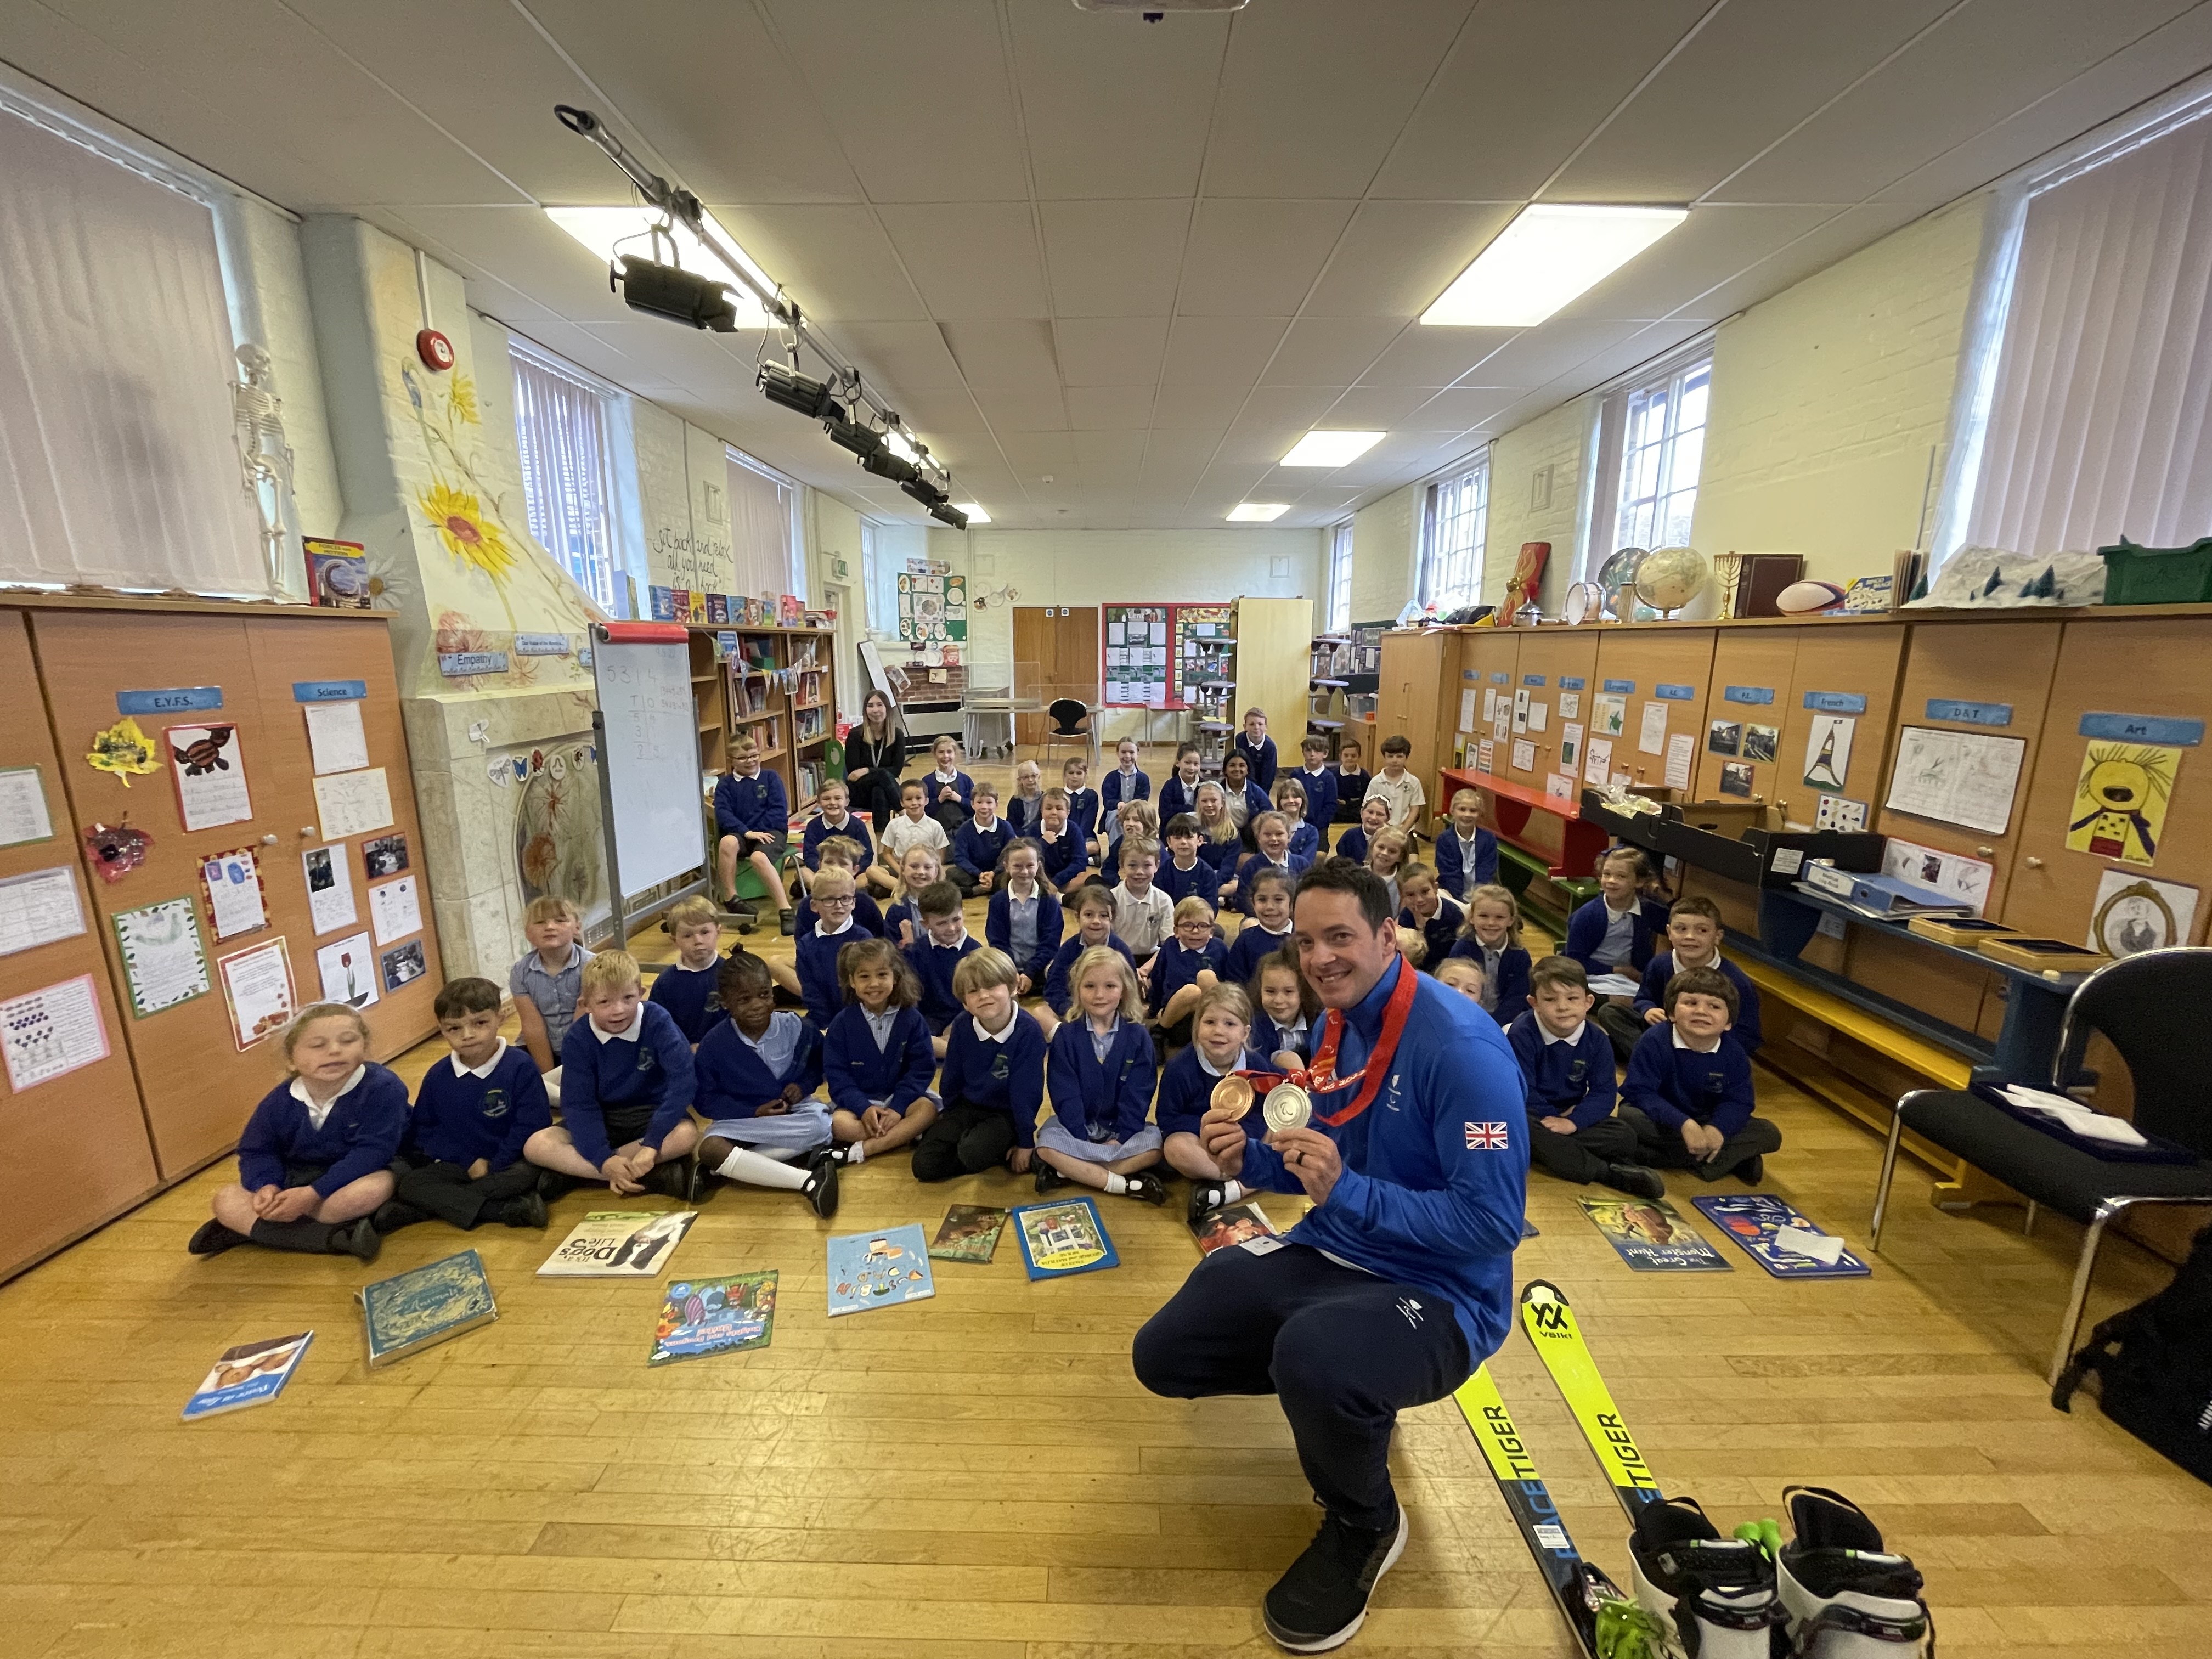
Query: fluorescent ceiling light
x=1330, y=449
x=609, y=231
x=1257, y=511
x=976, y=513
x=1547, y=255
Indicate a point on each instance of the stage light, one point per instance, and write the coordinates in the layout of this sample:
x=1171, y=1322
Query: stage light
x=884, y=464
x=946, y=514
x=1549, y=254
x=973, y=512
x=605, y=229
x=862, y=440
x=1257, y=511
x=681, y=296
x=788, y=388
x=1330, y=449
x=924, y=491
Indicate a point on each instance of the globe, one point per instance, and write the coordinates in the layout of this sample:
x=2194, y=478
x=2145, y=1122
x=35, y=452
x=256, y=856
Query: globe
x=1616, y=576
x=1670, y=577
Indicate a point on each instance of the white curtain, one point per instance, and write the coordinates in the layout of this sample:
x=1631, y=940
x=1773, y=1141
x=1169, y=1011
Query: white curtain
x=119, y=464
x=560, y=428
x=761, y=532
x=2096, y=423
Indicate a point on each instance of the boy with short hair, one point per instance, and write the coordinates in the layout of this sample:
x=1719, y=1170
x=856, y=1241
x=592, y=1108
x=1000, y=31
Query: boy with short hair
x=1144, y=916
x=545, y=982
x=1693, y=939
x=836, y=817
x=752, y=821
x=835, y=900
x=690, y=986
x=937, y=954
x=979, y=844
x=1257, y=747
x=1065, y=853
x=627, y=1086
x=461, y=1159
x=1427, y=909
x=839, y=853
x=1319, y=779
x=1352, y=778
x=1467, y=853
x=1573, y=1133
x=1082, y=801
x=912, y=827
x=758, y=1070
x=993, y=1081
x=1398, y=787
x=1688, y=1093
x=952, y=791
x=1186, y=875
x=1126, y=782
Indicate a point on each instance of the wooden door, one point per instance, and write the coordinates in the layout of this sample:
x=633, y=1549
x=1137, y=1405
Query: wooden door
x=1062, y=641
x=1665, y=668
x=1411, y=684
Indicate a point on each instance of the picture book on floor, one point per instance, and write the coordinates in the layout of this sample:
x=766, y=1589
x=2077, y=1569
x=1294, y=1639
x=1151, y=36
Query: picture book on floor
x=878, y=1270
x=619, y=1244
x=970, y=1232
x=1064, y=1238
x=1232, y=1224
x=425, y=1306
x=252, y=1374
x=1775, y=1235
x=1650, y=1235
x=699, y=1317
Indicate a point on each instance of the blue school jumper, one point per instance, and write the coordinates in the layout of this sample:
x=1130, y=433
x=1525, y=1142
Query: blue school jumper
x=1083, y=812
x=865, y=913
x=906, y=910
x=458, y=1119
x=1260, y=759
x=1026, y=815
x=734, y=1081
x=1565, y=1079
x=1000, y=1077
x=1097, y=1100
x=1221, y=854
x=745, y=805
x=1269, y=1038
x=1586, y=931
x=1175, y=799
x=1456, y=874
x=649, y=1066
x=859, y=1073
x=1256, y=800
x=1176, y=965
x=360, y=1136
x=817, y=953
x=1187, y=1089
x=1504, y=981
x=1293, y=865
x=1352, y=844
x=1065, y=859
x=1321, y=795
x=1057, y=994
x=998, y=931
x=1671, y=1084
x=932, y=965
x=817, y=830
x=1653, y=995
x=1117, y=786
x=978, y=850
x=1439, y=931
x=1351, y=792
x=1252, y=943
x=1201, y=880
x=960, y=782
x=692, y=996
x=1305, y=842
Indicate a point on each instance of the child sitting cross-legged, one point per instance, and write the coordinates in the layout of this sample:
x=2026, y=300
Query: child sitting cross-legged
x=1064, y=849
x=839, y=853
x=1614, y=934
x=1179, y=794
x=626, y=1089
x=921, y=867
x=978, y=845
x=1374, y=818
x=945, y=941
x=1693, y=941
x=1221, y=1031
x=952, y=791
x=692, y=988
x=993, y=1078
x=461, y=1159
x=833, y=820
x=1100, y=1072
x=1467, y=853
x=1184, y=874
x=1319, y=779
x=1491, y=939
x=912, y=827
x=1271, y=833
x=1290, y=797
x=835, y=900
x=1283, y=1026
x=1094, y=930
x=1025, y=919
x=1144, y=916
x=1025, y=807
x=1567, y=1064
x=1688, y=1088
x=1267, y=929
x=758, y=1070
x=876, y=1057
x=314, y=1160
x=1186, y=967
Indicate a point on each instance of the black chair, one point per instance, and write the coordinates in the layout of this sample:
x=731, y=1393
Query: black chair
x=1070, y=718
x=2156, y=1009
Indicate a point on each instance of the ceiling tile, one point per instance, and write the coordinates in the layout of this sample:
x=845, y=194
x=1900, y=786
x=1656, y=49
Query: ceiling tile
x=1330, y=350
x=1109, y=407
x=1466, y=406
x=835, y=260
x=1374, y=408
x=1835, y=239
x=1711, y=245
x=1114, y=258
x=1014, y=355
x=1032, y=453
x=1022, y=410
x=1088, y=136
x=1110, y=351
x=1398, y=256
x=1551, y=350
x=1256, y=257
x=1233, y=350
x=1435, y=356
x=979, y=260
x=909, y=358
x=1199, y=403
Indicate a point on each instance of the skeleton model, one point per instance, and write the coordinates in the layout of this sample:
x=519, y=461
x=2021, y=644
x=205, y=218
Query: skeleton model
x=265, y=458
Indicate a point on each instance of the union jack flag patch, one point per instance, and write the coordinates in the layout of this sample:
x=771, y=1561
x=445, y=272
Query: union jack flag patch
x=1486, y=1137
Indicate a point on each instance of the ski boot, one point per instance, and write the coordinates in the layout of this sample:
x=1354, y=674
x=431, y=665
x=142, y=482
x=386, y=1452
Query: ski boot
x=1846, y=1597
x=1714, y=1596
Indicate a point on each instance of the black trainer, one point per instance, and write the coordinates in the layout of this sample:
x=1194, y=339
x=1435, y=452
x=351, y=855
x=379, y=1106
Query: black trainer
x=1321, y=1601
x=1146, y=1188
x=1050, y=1180
x=527, y=1211
x=821, y=1188
x=1751, y=1170
x=213, y=1238
x=1635, y=1178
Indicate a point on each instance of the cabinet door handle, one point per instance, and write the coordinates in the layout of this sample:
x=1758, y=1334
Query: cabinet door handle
x=1985, y=852
x=2035, y=864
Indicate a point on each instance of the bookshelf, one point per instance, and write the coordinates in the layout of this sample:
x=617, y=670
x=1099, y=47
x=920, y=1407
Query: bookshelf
x=777, y=686
x=1327, y=710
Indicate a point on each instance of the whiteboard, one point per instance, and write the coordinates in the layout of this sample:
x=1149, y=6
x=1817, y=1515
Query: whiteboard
x=649, y=757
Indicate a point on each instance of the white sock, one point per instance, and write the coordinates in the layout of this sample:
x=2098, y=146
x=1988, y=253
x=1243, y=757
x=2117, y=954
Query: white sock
x=855, y=1153
x=1230, y=1192
x=1116, y=1185
x=751, y=1168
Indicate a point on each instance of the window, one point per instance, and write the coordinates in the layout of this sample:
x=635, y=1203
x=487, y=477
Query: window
x=764, y=533
x=1454, y=525
x=561, y=429
x=2084, y=409
x=1661, y=444
x=1340, y=580
x=882, y=581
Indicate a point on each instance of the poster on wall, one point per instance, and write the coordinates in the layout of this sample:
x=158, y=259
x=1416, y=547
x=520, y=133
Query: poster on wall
x=1956, y=777
x=2134, y=914
x=231, y=883
x=256, y=985
x=163, y=962
x=2120, y=801
x=1134, y=670
x=210, y=769
x=330, y=887
x=348, y=971
x=47, y=1032
x=394, y=909
x=932, y=606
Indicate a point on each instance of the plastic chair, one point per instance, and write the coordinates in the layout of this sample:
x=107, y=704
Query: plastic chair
x=2151, y=1008
x=1070, y=717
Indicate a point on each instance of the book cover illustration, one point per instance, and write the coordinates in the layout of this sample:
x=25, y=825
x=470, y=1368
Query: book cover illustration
x=878, y=1270
x=1774, y=1235
x=699, y=1317
x=427, y=1305
x=1059, y=1239
x=618, y=1244
x=1650, y=1235
x=1232, y=1224
x=252, y=1374
x=970, y=1232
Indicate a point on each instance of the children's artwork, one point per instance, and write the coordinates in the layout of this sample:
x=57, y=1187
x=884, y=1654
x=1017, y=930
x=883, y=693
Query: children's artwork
x=353, y=803
x=163, y=962
x=1681, y=756
x=702, y=1317
x=1524, y=755
x=1651, y=737
x=2135, y=914
x=1539, y=715
x=1485, y=755
x=1570, y=705
x=38, y=908
x=1466, y=710
x=1725, y=737
x=401, y=964
x=231, y=883
x=1232, y=1224
x=970, y=1232
x=1559, y=786
x=1835, y=813
x=1775, y=1235
x=257, y=983
x=1761, y=743
x=1520, y=709
x=1952, y=874
x=330, y=887
x=1501, y=728
x=348, y=972
x=1060, y=1239
x=1650, y=1235
x=394, y=909
x=252, y=1374
x=1958, y=777
x=48, y=1032
x=878, y=1270
x=1598, y=763
x=385, y=855
x=1735, y=779
x=336, y=741
x=23, y=815
x=418, y=1309
x=2120, y=803
x=123, y=752
x=115, y=850
x=1609, y=713
x=1570, y=746
x=618, y=1244
x=1828, y=751
x=210, y=769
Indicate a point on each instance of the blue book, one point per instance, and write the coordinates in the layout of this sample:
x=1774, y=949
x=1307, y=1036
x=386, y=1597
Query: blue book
x=1064, y=1238
x=1754, y=1223
x=879, y=1270
x=252, y=1374
x=701, y=1317
x=427, y=1305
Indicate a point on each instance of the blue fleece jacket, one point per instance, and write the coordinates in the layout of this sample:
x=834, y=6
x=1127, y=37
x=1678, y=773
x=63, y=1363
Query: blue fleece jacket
x=460, y=1118
x=1270, y=1039
x=1440, y=931
x=360, y=1136
x=1223, y=855
x=1252, y=943
x=743, y=805
x=1001, y=1076
x=734, y=1081
x=1295, y=865
x=859, y=1073
x=1083, y=812
x=1458, y=873
x=1066, y=858
x=1305, y=842
x=651, y=1066
x=866, y=911
x=1352, y=844
x=1114, y=788
x=1653, y=995
x=1101, y=1100
x=1586, y=931
x=1669, y=1084
x=1176, y=799
x=1565, y=1079
x=998, y=931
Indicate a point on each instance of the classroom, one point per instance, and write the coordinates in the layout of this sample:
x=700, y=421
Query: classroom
x=1105, y=828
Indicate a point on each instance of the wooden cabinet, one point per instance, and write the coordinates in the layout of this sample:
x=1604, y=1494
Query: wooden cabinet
x=1417, y=678
x=1274, y=661
x=1668, y=669
x=1550, y=662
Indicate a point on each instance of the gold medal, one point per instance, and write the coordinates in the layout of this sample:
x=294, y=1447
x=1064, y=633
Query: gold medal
x=1232, y=1097
x=1287, y=1107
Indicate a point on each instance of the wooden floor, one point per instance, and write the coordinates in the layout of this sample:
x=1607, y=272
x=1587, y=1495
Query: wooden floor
x=980, y=1477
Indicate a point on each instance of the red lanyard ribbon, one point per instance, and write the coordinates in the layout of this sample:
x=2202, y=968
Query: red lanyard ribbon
x=1321, y=1076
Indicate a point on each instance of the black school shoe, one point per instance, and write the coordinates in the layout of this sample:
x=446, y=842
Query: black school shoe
x=1206, y=1197
x=213, y=1238
x=1146, y=1188
x=393, y=1214
x=821, y=1188
x=1050, y=1180
x=1321, y=1601
x=356, y=1239
x=1751, y=1170
x=527, y=1211
x=1635, y=1178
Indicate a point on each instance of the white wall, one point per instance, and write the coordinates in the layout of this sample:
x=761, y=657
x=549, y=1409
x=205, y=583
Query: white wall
x=1385, y=544
x=1559, y=439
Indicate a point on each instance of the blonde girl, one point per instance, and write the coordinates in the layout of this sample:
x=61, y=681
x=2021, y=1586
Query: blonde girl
x=1386, y=850
x=1491, y=939
x=1221, y=1029
x=921, y=867
x=1218, y=842
x=1099, y=1072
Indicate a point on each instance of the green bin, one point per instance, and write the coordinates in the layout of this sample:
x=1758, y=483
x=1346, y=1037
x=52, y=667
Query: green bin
x=2157, y=575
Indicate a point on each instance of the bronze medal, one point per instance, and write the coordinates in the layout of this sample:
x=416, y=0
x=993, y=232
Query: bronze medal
x=1287, y=1107
x=1232, y=1097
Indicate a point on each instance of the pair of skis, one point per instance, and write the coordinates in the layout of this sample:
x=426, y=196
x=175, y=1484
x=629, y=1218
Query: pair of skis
x=1580, y=1586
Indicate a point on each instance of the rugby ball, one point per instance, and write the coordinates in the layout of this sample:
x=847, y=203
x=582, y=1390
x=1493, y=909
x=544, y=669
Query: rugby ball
x=1802, y=599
